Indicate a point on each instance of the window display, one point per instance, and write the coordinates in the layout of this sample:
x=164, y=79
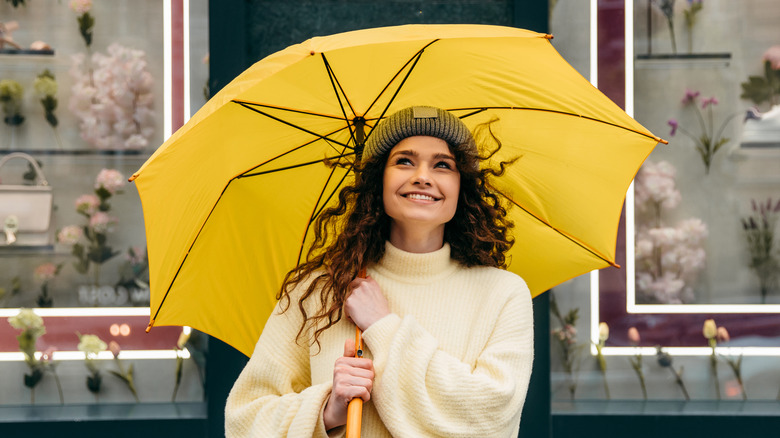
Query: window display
x=693, y=313
x=88, y=91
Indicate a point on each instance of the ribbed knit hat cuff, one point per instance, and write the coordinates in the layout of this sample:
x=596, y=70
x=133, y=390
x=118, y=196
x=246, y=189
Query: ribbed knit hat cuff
x=418, y=120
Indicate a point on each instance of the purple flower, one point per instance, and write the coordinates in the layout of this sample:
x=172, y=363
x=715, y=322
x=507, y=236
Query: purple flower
x=690, y=97
x=674, y=124
x=707, y=102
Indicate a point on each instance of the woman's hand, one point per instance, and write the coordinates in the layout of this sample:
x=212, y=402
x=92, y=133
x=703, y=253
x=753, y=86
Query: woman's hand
x=365, y=304
x=353, y=377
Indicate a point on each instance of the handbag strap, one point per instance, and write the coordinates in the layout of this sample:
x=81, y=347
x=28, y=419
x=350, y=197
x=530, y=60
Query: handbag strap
x=41, y=178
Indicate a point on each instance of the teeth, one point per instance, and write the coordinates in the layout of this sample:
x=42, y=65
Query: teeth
x=418, y=196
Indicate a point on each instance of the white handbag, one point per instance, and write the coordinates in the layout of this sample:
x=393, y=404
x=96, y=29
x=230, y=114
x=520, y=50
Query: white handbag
x=25, y=210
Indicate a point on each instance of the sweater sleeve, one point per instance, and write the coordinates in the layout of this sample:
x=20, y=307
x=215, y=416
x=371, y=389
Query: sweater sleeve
x=273, y=396
x=422, y=390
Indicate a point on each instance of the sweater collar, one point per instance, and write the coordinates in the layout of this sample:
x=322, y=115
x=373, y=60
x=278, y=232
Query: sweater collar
x=415, y=268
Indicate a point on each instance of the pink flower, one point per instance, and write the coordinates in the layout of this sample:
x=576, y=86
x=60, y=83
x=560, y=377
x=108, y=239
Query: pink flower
x=707, y=102
x=773, y=56
x=674, y=124
x=113, y=346
x=48, y=355
x=87, y=204
x=690, y=97
x=633, y=336
x=81, y=6
x=100, y=222
x=110, y=179
x=45, y=272
x=723, y=334
x=70, y=234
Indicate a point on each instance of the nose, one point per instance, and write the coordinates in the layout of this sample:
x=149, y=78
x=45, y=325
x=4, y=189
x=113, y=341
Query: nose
x=421, y=177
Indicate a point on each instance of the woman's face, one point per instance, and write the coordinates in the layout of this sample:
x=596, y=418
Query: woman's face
x=421, y=185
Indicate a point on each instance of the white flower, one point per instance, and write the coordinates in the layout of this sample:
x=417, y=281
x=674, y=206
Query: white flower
x=109, y=179
x=81, y=6
x=100, y=222
x=28, y=321
x=91, y=345
x=45, y=86
x=87, y=204
x=70, y=234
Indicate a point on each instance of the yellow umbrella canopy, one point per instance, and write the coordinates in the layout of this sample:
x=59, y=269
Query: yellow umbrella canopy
x=228, y=200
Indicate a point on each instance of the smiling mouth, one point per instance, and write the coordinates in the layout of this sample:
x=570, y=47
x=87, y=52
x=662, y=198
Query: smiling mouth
x=420, y=197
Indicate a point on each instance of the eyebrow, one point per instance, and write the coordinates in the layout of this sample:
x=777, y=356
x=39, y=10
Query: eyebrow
x=413, y=153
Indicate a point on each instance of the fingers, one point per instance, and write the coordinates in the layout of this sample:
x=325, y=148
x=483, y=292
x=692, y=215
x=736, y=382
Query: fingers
x=352, y=382
x=349, y=348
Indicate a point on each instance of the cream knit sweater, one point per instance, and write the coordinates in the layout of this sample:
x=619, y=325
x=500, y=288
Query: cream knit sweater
x=453, y=359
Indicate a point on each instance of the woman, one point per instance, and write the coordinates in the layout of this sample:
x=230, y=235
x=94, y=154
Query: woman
x=448, y=337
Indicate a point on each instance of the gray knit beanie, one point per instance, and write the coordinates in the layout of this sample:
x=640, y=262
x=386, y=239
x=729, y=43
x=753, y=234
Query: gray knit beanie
x=418, y=120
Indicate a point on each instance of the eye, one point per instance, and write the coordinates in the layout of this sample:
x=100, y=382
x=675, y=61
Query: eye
x=403, y=160
x=444, y=165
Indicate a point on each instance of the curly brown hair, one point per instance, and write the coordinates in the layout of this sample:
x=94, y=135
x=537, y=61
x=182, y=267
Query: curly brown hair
x=478, y=234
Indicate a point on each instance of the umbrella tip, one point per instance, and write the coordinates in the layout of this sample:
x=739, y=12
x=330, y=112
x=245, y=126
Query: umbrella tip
x=132, y=178
x=149, y=327
x=548, y=36
x=661, y=140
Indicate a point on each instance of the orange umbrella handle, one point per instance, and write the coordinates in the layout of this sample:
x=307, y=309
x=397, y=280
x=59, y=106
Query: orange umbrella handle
x=355, y=407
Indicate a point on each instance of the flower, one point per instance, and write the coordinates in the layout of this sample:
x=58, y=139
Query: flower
x=112, y=98
x=603, y=336
x=667, y=8
x=43, y=274
x=91, y=345
x=110, y=180
x=113, y=346
x=184, y=336
x=85, y=19
x=759, y=232
x=668, y=259
x=87, y=204
x=710, y=330
x=11, y=97
x=633, y=335
x=32, y=328
x=566, y=337
x=124, y=375
x=81, y=6
x=694, y=7
x=70, y=234
x=723, y=334
x=765, y=88
x=665, y=361
x=708, y=142
x=636, y=361
x=95, y=208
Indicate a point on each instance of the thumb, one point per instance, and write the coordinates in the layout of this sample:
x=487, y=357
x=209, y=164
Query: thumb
x=349, y=348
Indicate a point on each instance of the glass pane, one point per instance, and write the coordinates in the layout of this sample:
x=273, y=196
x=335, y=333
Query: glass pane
x=84, y=271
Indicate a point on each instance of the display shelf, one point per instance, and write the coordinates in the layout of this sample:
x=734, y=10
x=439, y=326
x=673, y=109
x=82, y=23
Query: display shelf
x=27, y=52
x=80, y=152
x=103, y=412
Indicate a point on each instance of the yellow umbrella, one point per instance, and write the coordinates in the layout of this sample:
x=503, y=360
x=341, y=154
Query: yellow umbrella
x=229, y=198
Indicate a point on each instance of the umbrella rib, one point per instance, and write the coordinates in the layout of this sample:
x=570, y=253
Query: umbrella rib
x=477, y=110
x=316, y=212
x=281, y=108
x=294, y=166
x=293, y=125
x=295, y=149
x=414, y=59
x=563, y=234
x=336, y=84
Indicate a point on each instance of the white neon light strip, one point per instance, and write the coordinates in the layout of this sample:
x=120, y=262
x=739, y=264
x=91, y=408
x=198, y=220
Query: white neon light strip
x=692, y=351
x=103, y=355
x=82, y=311
x=186, y=25
x=594, y=79
x=167, y=71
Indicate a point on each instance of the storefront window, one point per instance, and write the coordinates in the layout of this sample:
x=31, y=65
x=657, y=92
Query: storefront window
x=89, y=91
x=693, y=312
